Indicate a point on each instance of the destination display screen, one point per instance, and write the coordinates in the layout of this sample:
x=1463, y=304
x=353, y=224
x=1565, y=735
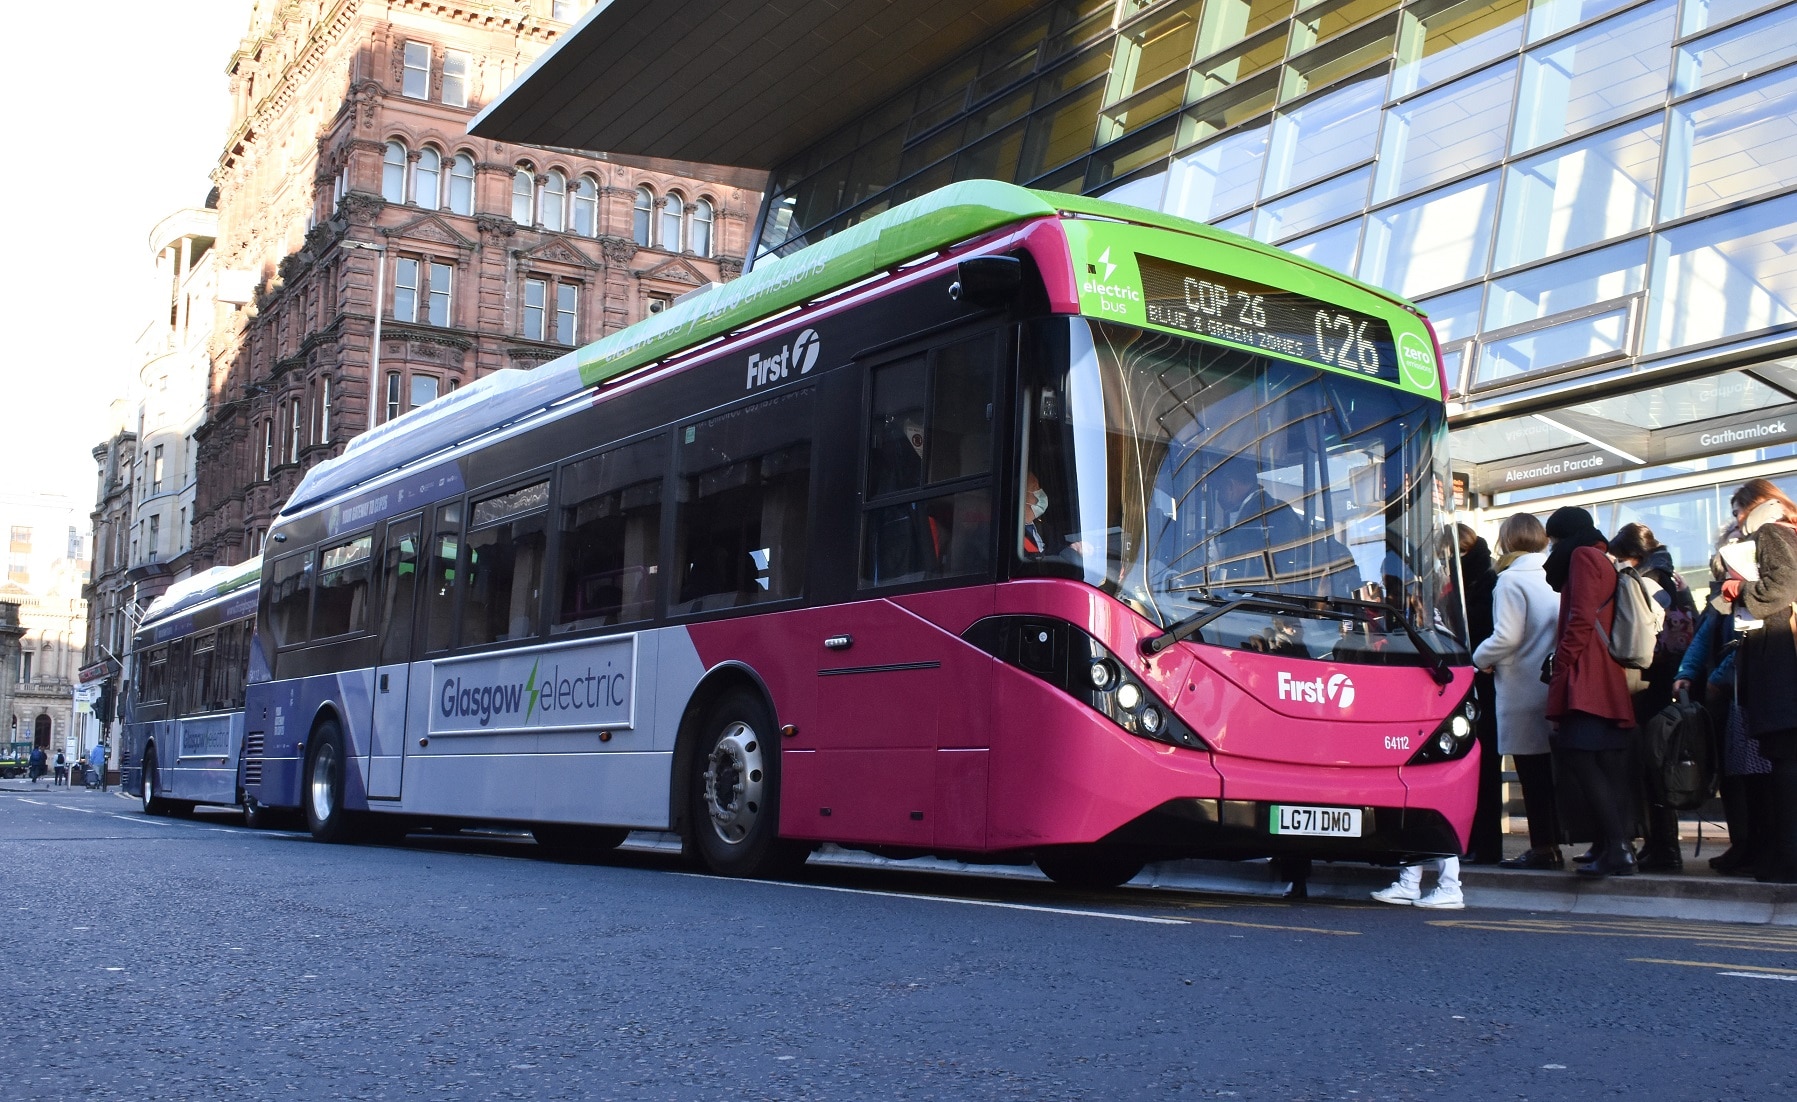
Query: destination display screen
x=1212, y=304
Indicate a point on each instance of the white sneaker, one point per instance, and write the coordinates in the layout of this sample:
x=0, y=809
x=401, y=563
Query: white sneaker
x=1443, y=899
x=1399, y=893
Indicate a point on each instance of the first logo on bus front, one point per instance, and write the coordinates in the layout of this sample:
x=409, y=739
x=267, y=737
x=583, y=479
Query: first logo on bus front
x=797, y=358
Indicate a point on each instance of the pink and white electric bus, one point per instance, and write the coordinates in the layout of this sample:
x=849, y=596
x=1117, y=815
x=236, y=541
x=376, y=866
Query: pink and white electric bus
x=1006, y=525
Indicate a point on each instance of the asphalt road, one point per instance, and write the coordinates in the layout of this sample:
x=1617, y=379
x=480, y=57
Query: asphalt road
x=194, y=959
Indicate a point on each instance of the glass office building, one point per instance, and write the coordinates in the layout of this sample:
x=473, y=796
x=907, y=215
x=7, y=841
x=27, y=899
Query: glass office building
x=1595, y=201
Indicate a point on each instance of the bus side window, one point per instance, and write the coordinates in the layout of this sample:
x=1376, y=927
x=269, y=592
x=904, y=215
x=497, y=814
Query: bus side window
x=399, y=587
x=440, y=579
x=507, y=534
x=929, y=463
x=744, y=503
x=341, y=606
x=289, y=588
x=609, y=536
x=199, y=675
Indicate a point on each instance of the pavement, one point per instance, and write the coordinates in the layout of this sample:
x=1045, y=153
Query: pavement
x=1698, y=893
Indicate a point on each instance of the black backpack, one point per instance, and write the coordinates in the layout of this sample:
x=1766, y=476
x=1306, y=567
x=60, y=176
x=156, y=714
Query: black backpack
x=1681, y=770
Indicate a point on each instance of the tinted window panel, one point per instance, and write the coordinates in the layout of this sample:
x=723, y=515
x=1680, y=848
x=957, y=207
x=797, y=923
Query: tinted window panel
x=290, y=599
x=343, y=573
x=610, y=535
x=745, y=484
x=505, y=567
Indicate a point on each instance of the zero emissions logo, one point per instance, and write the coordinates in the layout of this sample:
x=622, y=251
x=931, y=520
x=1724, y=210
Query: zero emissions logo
x=1416, y=361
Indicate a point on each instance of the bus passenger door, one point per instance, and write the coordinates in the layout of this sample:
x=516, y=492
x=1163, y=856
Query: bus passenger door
x=400, y=561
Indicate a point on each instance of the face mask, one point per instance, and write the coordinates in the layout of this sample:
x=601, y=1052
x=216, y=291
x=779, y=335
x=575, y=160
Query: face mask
x=1038, y=504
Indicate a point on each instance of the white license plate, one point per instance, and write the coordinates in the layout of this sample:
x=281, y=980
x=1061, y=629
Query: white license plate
x=1322, y=822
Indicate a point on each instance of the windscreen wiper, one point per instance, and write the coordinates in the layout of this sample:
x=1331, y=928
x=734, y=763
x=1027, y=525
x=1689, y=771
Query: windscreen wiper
x=1246, y=601
x=1438, y=665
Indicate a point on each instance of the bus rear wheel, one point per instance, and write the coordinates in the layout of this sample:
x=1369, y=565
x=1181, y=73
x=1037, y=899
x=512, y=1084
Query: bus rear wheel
x=326, y=765
x=1088, y=867
x=735, y=795
x=152, y=803
x=573, y=842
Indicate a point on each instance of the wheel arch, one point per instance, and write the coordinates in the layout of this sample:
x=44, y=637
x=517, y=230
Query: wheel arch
x=719, y=681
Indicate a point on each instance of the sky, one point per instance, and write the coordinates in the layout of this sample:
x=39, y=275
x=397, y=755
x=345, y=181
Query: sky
x=119, y=116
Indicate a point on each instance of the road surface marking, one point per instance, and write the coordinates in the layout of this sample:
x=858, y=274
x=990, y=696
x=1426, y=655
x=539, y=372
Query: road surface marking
x=1731, y=969
x=1274, y=926
x=966, y=902
x=1708, y=935
x=83, y=810
x=1758, y=976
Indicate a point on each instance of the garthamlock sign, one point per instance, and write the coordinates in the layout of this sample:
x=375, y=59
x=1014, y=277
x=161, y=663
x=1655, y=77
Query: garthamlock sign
x=589, y=685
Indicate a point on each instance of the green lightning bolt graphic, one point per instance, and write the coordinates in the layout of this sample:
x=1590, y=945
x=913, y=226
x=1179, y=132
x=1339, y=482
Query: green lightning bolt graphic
x=530, y=687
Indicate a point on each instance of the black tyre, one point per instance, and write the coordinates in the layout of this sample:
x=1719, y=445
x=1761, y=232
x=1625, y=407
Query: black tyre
x=323, y=785
x=152, y=803
x=735, y=794
x=571, y=842
x=1088, y=867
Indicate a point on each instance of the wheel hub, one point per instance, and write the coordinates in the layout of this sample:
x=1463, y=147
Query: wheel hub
x=733, y=783
x=323, y=781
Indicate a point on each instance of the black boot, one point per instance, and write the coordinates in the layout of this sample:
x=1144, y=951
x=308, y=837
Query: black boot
x=1662, y=853
x=1615, y=860
x=1778, y=858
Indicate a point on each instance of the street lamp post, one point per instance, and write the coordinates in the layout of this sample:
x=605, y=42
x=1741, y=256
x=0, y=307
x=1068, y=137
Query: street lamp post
x=374, y=359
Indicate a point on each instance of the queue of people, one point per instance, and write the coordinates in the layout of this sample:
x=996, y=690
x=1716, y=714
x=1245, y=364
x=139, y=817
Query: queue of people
x=1541, y=619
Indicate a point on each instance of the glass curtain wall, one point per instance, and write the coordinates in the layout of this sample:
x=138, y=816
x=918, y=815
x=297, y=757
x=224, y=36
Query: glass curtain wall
x=1559, y=183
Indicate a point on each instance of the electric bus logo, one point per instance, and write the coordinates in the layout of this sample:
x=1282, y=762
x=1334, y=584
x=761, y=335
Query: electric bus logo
x=1337, y=689
x=581, y=686
x=797, y=358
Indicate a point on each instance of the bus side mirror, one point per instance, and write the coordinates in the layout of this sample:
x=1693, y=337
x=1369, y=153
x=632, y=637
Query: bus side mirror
x=987, y=280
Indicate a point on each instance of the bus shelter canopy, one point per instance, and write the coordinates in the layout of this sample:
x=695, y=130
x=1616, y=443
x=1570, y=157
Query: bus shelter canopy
x=729, y=82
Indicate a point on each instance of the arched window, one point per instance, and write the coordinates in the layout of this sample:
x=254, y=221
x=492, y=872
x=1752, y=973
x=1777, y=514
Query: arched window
x=461, y=184
x=427, y=179
x=524, y=186
x=393, y=173
x=700, y=237
x=673, y=208
x=586, y=207
x=639, y=223
x=554, y=207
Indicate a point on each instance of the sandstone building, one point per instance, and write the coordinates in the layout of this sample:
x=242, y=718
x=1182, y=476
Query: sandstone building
x=349, y=188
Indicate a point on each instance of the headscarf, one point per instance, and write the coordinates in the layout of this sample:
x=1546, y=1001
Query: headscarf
x=1570, y=528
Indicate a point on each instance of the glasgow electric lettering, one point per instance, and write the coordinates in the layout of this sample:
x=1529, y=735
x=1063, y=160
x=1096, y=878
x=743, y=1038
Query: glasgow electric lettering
x=574, y=687
x=1242, y=312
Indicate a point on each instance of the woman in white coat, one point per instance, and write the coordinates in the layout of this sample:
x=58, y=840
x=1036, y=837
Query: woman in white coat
x=1525, y=616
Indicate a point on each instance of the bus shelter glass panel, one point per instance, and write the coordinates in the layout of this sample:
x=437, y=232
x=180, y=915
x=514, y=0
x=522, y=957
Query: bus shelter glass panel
x=1732, y=144
x=1335, y=247
x=743, y=511
x=1447, y=132
x=1724, y=276
x=1325, y=135
x=1180, y=475
x=1595, y=76
x=1305, y=210
x=1548, y=17
x=1433, y=241
x=1579, y=194
x=609, y=535
x=1733, y=53
x=1444, y=38
x=503, y=595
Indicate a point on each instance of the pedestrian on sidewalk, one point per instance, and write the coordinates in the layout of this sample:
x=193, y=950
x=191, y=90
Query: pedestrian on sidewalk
x=1588, y=696
x=36, y=766
x=1634, y=545
x=96, y=760
x=62, y=769
x=1745, y=776
x=1766, y=682
x=1407, y=889
x=1524, y=612
x=1486, y=845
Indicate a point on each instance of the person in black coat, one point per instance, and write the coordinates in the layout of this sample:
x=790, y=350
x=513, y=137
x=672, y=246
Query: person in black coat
x=1766, y=683
x=1479, y=580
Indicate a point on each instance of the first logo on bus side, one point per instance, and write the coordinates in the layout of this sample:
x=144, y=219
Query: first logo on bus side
x=797, y=358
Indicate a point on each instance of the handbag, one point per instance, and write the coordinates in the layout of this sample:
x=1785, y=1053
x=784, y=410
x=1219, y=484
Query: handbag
x=1547, y=669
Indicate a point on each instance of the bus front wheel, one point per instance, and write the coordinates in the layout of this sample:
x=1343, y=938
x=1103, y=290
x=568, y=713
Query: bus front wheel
x=1087, y=867
x=736, y=792
x=323, y=797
